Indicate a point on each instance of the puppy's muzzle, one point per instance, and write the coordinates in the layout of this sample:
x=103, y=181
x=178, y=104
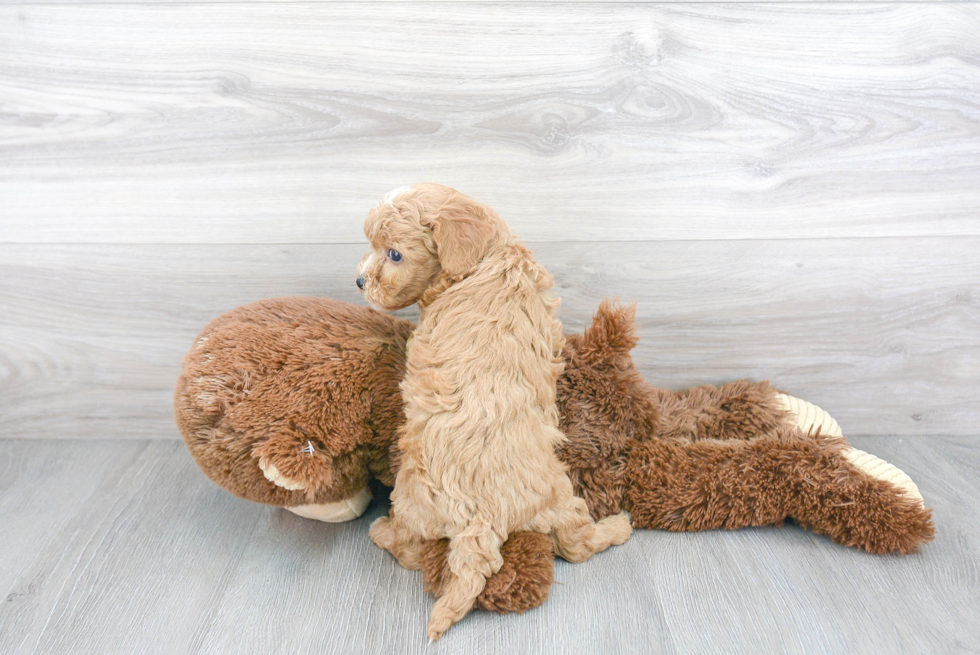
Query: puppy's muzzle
x=360, y=283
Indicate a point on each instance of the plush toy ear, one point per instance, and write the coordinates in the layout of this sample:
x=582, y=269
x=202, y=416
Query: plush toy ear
x=463, y=231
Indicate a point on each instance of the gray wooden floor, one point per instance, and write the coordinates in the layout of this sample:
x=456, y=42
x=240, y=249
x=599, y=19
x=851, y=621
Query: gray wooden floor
x=124, y=546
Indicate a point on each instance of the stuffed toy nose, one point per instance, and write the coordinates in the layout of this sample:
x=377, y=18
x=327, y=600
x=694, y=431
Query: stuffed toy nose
x=360, y=283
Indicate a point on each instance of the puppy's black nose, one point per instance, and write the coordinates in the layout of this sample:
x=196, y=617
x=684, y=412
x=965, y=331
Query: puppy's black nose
x=360, y=283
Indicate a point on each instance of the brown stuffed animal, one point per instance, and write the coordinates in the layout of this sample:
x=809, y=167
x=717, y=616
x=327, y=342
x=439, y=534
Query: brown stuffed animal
x=295, y=402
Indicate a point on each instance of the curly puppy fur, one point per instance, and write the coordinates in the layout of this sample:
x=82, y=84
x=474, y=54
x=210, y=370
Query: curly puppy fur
x=480, y=439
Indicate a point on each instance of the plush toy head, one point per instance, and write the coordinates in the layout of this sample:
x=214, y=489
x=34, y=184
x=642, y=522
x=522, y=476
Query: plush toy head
x=422, y=235
x=303, y=391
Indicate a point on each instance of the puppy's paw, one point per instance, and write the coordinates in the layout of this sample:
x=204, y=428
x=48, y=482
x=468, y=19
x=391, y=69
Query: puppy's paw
x=382, y=534
x=617, y=527
x=273, y=475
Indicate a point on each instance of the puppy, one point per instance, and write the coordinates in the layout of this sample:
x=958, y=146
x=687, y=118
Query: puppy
x=479, y=460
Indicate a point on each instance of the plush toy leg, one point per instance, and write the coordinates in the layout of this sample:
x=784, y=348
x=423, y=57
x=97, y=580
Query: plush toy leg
x=689, y=486
x=812, y=420
x=522, y=583
x=736, y=410
x=861, y=501
x=339, y=512
x=472, y=559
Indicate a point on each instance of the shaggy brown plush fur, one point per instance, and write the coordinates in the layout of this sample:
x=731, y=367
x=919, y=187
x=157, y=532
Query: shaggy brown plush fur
x=729, y=460
x=267, y=380
x=521, y=583
x=778, y=476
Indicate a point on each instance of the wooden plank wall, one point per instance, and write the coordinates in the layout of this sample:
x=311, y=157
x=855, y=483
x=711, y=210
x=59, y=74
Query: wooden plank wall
x=789, y=190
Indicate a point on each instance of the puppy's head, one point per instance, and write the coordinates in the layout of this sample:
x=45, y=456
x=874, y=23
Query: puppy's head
x=419, y=235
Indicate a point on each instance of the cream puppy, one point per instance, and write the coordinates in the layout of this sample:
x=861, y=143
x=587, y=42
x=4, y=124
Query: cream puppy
x=479, y=443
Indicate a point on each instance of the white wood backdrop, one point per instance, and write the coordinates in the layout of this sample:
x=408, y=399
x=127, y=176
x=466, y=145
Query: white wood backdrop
x=790, y=191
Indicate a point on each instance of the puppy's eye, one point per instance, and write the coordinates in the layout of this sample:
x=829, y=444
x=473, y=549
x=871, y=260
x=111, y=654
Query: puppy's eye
x=394, y=255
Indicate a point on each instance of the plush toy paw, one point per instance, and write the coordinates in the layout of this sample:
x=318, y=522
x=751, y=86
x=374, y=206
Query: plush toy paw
x=809, y=418
x=878, y=468
x=273, y=475
x=339, y=512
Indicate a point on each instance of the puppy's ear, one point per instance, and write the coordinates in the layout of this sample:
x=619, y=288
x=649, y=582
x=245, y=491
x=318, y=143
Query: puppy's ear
x=463, y=231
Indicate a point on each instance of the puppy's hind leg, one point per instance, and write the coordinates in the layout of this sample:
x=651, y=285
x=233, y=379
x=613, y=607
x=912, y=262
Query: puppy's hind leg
x=391, y=535
x=471, y=559
x=577, y=537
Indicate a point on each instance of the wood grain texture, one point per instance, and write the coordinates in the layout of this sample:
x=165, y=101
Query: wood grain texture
x=477, y=2
x=146, y=123
x=883, y=334
x=148, y=556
